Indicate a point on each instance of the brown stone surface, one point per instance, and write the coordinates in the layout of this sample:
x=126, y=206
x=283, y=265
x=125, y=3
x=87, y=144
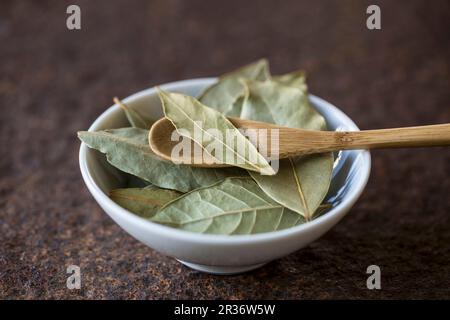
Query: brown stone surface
x=54, y=82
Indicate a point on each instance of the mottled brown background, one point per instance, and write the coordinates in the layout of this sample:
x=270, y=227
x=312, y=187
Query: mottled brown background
x=54, y=82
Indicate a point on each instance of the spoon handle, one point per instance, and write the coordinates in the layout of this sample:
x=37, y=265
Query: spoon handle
x=295, y=142
x=421, y=136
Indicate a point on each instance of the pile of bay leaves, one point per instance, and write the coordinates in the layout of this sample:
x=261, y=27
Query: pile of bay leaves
x=229, y=200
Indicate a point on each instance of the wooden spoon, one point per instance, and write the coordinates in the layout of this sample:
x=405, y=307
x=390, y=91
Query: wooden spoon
x=297, y=142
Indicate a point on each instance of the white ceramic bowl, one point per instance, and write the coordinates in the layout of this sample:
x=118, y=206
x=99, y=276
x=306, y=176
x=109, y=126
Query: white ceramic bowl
x=222, y=254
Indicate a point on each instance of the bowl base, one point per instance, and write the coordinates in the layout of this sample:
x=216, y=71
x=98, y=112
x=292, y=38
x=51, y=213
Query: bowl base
x=221, y=270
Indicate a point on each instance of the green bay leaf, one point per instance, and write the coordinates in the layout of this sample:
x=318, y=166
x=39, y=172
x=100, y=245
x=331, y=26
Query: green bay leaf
x=189, y=115
x=143, y=202
x=224, y=93
x=301, y=183
x=233, y=206
x=128, y=150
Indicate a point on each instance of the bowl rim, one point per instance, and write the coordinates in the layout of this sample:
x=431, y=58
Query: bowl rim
x=108, y=204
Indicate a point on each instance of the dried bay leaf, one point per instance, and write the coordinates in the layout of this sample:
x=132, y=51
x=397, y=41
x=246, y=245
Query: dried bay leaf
x=301, y=183
x=287, y=106
x=236, y=108
x=134, y=117
x=227, y=95
x=233, y=206
x=189, y=114
x=143, y=201
x=127, y=149
x=296, y=79
x=224, y=93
